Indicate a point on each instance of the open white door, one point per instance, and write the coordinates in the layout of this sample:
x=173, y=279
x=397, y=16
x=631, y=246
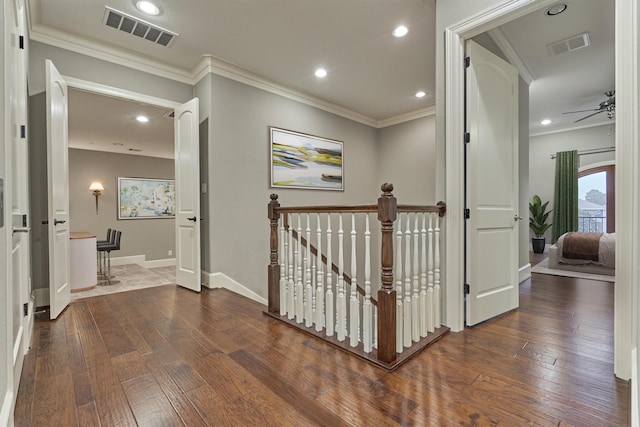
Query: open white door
x=58, y=190
x=492, y=185
x=187, y=162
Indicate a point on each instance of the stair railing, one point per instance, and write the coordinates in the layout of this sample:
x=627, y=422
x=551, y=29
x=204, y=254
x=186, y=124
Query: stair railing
x=310, y=288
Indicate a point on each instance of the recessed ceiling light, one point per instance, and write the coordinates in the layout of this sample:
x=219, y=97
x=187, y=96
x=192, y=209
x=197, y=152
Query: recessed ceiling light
x=400, y=31
x=545, y=122
x=421, y=94
x=148, y=8
x=142, y=119
x=556, y=10
x=321, y=72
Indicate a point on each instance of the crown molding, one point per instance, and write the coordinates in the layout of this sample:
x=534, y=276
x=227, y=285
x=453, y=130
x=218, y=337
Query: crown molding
x=570, y=128
x=407, y=117
x=501, y=39
x=213, y=65
x=108, y=54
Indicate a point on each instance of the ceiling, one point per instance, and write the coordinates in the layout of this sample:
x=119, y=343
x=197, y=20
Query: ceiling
x=371, y=74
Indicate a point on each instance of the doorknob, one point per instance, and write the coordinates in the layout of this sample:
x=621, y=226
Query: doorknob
x=517, y=217
x=193, y=218
x=56, y=222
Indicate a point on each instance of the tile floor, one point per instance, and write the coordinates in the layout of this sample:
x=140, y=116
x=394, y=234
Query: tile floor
x=130, y=277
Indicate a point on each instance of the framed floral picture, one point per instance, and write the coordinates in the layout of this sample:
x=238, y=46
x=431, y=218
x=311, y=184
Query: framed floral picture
x=145, y=198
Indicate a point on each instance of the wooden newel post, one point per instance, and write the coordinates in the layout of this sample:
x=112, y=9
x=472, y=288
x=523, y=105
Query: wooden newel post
x=274, y=267
x=387, y=214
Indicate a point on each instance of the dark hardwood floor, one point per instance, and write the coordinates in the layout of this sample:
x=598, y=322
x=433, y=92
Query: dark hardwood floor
x=168, y=357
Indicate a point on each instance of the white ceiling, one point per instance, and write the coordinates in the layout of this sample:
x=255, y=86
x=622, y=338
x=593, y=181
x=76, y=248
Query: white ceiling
x=371, y=73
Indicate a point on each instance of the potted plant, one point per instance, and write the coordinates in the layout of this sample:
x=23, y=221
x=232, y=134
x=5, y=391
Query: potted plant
x=538, y=216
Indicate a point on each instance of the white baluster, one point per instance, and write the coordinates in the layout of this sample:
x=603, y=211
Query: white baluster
x=398, y=272
x=291, y=273
x=330, y=309
x=308, y=288
x=367, y=320
x=436, y=275
x=282, y=252
x=319, y=319
x=354, y=307
x=342, y=300
x=407, y=284
x=415, y=296
x=430, y=304
x=375, y=327
x=423, y=278
x=299, y=275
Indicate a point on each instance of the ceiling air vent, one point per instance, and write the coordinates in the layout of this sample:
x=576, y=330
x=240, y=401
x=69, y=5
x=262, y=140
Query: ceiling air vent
x=132, y=25
x=569, y=45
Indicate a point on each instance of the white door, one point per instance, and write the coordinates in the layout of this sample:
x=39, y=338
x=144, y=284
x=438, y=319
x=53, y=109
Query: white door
x=492, y=185
x=58, y=190
x=187, y=161
x=19, y=173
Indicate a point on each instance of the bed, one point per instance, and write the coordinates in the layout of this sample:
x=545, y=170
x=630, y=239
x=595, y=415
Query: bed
x=586, y=252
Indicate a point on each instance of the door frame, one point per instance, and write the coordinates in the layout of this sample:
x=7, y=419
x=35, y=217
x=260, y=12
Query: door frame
x=105, y=90
x=627, y=133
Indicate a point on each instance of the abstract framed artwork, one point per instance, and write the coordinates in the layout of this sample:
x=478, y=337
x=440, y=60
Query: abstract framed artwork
x=146, y=198
x=299, y=160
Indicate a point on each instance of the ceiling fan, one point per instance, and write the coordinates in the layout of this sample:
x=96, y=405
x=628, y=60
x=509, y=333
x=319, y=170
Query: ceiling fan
x=609, y=105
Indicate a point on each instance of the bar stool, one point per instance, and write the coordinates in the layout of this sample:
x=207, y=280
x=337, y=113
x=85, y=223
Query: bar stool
x=108, y=247
x=103, y=242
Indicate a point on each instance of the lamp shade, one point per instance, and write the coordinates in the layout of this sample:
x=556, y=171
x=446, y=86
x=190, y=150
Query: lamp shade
x=96, y=186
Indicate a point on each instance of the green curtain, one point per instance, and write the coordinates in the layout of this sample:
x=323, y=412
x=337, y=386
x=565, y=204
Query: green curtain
x=565, y=207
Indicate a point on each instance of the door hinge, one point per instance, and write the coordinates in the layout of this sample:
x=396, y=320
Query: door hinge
x=25, y=308
x=23, y=131
x=467, y=137
x=467, y=214
x=24, y=220
x=21, y=42
x=467, y=62
x=466, y=289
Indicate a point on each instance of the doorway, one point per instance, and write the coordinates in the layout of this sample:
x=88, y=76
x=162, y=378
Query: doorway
x=626, y=73
x=123, y=145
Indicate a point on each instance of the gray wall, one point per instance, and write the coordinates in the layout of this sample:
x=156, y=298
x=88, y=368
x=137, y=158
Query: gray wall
x=153, y=238
x=239, y=172
x=542, y=167
x=407, y=159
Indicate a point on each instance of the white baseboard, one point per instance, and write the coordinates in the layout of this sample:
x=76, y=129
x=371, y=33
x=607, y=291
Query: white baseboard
x=524, y=273
x=221, y=280
x=635, y=409
x=169, y=262
x=141, y=260
x=133, y=259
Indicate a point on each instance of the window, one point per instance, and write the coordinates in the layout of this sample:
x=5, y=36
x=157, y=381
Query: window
x=596, y=199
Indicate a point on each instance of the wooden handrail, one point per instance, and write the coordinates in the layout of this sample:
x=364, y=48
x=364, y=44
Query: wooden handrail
x=329, y=209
